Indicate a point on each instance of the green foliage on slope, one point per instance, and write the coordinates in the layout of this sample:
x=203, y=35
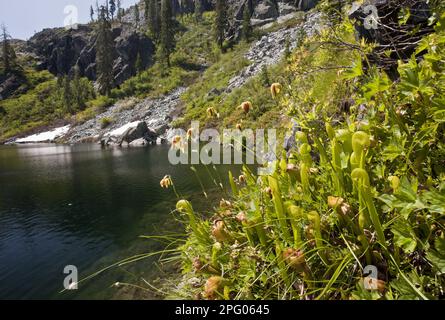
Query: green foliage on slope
x=365, y=185
x=42, y=103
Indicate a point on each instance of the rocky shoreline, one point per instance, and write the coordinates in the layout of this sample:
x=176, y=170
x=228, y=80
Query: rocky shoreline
x=147, y=120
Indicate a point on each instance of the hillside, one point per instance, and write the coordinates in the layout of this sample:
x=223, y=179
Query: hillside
x=56, y=53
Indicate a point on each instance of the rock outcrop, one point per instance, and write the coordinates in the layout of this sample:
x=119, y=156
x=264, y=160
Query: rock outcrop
x=11, y=84
x=401, y=38
x=141, y=131
x=270, y=48
x=59, y=50
x=263, y=12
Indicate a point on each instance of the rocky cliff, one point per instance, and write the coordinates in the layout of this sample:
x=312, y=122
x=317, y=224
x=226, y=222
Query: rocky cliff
x=59, y=50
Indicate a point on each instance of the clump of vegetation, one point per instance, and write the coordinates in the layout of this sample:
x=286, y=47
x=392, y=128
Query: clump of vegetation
x=45, y=100
x=105, y=122
x=363, y=186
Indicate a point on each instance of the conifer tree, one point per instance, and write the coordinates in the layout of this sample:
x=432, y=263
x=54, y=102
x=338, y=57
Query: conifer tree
x=264, y=77
x=104, y=53
x=167, y=39
x=77, y=89
x=119, y=10
x=247, y=26
x=220, y=22
x=112, y=8
x=147, y=12
x=198, y=10
x=67, y=95
x=91, y=13
x=287, y=50
x=139, y=64
x=107, y=9
x=153, y=18
x=8, y=53
x=137, y=17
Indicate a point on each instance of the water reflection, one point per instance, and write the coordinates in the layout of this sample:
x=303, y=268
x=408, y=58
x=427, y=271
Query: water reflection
x=81, y=205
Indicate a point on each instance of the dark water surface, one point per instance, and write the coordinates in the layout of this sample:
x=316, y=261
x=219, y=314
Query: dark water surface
x=84, y=206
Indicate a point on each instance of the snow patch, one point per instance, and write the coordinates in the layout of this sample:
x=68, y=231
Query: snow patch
x=47, y=136
x=120, y=131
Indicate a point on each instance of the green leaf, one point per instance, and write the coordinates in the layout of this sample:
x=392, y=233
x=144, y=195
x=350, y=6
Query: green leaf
x=437, y=257
x=404, y=236
x=406, y=191
x=392, y=152
x=403, y=16
x=363, y=294
x=434, y=201
x=355, y=71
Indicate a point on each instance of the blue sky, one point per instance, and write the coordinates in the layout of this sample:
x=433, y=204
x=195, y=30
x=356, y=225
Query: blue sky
x=25, y=17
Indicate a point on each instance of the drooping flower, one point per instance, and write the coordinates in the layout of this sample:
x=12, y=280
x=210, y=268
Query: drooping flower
x=225, y=204
x=189, y=133
x=339, y=204
x=275, y=89
x=197, y=264
x=166, y=182
x=211, y=113
x=214, y=287
x=241, y=217
x=268, y=191
x=246, y=106
x=242, y=179
x=220, y=232
x=176, y=141
x=373, y=284
x=295, y=259
x=334, y=202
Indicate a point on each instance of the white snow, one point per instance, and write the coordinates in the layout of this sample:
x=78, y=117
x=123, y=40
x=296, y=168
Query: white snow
x=47, y=136
x=120, y=131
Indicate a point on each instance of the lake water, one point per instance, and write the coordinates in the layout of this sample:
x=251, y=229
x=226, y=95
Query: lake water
x=86, y=206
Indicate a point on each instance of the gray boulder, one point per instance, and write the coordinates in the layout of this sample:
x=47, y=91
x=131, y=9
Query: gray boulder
x=305, y=5
x=265, y=10
x=141, y=131
x=285, y=8
x=11, y=84
x=138, y=143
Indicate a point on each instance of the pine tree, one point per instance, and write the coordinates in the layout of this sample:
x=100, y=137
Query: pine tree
x=67, y=95
x=107, y=9
x=77, y=89
x=153, y=20
x=247, y=26
x=137, y=17
x=264, y=77
x=104, y=53
x=8, y=53
x=147, y=12
x=198, y=10
x=287, y=51
x=139, y=64
x=112, y=8
x=119, y=10
x=220, y=22
x=91, y=13
x=167, y=39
